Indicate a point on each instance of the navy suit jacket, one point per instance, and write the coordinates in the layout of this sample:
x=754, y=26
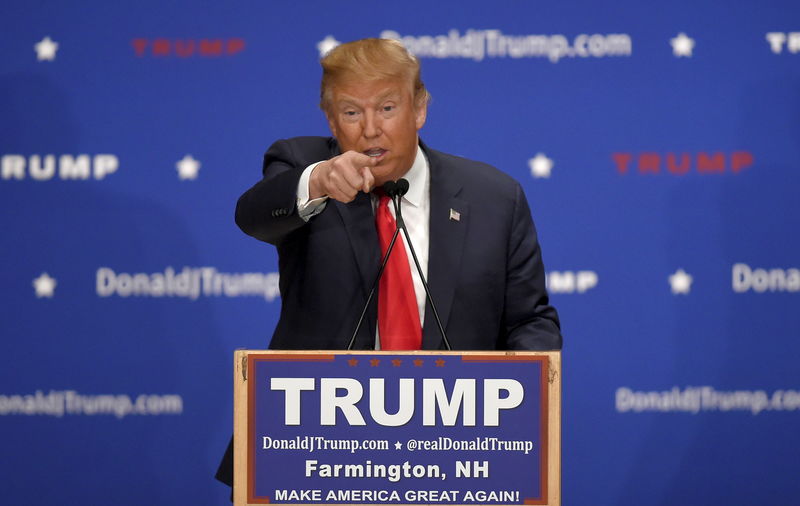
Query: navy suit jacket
x=484, y=270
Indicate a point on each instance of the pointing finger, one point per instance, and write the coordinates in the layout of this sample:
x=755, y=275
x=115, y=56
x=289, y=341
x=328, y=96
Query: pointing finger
x=369, y=179
x=363, y=160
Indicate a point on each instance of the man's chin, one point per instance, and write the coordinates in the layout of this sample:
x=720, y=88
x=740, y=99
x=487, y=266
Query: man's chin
x=384, y=174
x=383, y=177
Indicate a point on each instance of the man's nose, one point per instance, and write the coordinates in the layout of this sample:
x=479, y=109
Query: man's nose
x=372, y=125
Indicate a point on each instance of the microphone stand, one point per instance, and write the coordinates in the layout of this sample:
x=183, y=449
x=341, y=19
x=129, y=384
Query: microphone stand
x=395, y=191
x=402, y=189
x=389, y=188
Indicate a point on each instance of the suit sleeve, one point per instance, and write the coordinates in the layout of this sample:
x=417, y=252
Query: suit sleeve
x=268, y=210
x=531, y=322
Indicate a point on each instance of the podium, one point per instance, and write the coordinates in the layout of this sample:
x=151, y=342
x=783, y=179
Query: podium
x=385, y=427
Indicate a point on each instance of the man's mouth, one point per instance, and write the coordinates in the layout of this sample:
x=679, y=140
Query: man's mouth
x=375, y=152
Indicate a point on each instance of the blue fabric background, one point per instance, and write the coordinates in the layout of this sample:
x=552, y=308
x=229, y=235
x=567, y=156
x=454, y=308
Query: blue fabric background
x=633, y=230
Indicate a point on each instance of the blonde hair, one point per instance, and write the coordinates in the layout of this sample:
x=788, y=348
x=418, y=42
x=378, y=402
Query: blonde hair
x=370, y=60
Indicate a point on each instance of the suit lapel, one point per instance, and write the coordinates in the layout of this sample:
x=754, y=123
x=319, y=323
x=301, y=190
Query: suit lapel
x=449, y=218
x=359, y=225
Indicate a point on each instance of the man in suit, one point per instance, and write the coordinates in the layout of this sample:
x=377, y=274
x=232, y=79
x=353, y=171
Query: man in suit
x=469, y=223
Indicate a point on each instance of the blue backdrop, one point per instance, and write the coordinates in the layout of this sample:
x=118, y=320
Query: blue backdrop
x=657, y=144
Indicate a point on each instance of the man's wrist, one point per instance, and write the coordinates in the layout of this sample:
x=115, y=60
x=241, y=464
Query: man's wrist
x=315, y=190
x=307, y=204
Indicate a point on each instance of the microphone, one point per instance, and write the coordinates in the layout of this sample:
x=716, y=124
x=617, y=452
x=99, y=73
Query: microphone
x=400, y=189
x=390, y=188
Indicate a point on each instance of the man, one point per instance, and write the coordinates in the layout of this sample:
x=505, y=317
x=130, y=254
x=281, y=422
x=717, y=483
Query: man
x=469, y=223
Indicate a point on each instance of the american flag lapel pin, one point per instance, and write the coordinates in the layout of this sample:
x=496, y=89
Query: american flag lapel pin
x=455, y=215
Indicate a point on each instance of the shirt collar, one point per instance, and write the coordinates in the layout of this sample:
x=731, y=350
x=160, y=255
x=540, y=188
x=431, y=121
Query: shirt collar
x=417, y=177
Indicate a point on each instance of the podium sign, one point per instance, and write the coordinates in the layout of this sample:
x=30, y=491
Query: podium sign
x=397, y=428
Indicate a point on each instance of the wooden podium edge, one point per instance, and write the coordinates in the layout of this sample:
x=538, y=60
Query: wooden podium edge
x=240, y=421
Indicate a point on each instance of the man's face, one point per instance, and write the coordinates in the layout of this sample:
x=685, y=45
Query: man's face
x=379, y=119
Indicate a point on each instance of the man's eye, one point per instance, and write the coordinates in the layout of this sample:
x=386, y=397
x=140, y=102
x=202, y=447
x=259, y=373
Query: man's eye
x=388, y=108
x=350, y=113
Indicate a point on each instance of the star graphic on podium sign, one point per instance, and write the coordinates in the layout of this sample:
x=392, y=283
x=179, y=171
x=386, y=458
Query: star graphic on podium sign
x=440, y=363
x=682, y=45
x=540, y=166
x=187, y=167
x=680, y=282
x=374, y=362
x=46, y=49
x=396, y=362
x=326, y=45
x=418, y=362
x=398, y=445
x=352, y=362
x=44, y=285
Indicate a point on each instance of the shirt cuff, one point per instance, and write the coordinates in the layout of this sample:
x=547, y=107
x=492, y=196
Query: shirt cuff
x=308, y=208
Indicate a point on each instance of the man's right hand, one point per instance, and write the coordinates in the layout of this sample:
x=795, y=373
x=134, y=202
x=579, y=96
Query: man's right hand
x=342, y=177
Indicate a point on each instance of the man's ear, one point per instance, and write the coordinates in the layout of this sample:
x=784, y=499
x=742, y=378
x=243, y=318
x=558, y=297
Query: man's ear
x=421, y=113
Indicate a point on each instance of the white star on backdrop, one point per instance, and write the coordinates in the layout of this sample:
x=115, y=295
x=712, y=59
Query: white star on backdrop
x=187, y=167
x=680, y=282
x=540, y=165
x=325, y=45
x=44, y=285
x=46, y=49
x=398, y=445
x=682, y=45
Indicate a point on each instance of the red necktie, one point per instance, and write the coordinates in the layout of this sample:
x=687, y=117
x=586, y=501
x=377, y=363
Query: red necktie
x=398, y=315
